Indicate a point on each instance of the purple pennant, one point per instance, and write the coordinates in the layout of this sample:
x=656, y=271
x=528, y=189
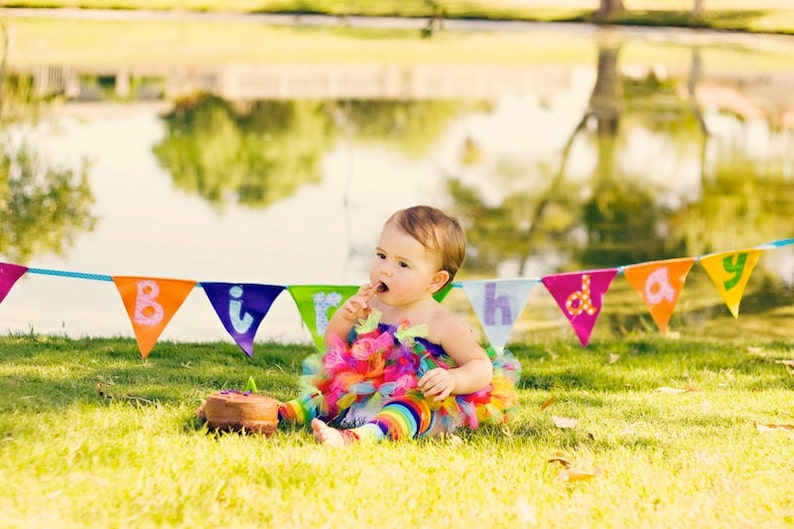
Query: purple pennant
x=9, y=273
x=241, y=307
x=580, y=296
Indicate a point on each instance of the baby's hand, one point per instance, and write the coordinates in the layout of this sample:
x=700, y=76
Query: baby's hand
x=357, y=307
x=437, y=383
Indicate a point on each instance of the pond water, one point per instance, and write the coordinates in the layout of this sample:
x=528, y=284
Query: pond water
x=576, y=149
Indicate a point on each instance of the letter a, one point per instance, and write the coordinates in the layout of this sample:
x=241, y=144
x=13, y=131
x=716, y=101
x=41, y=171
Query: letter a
x=657, y=287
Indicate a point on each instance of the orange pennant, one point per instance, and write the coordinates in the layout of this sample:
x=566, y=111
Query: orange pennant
x=150, y=304
x=730, y=272
x=659, y=284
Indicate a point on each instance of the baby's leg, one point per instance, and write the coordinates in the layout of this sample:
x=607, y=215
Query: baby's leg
x=405, y=418
x=327, y=435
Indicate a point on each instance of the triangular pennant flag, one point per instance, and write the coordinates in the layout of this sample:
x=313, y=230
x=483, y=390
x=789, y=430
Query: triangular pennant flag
x=441, y=294
x=659, y=284
x=497, y=303
x=241, y=308
x=580, y=296
x=730, y=271
x=150, y=304
x=9, y=273
x=317, y=303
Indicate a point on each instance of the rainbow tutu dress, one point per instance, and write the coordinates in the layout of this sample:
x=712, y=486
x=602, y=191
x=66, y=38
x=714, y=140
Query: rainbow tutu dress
x=349, y=384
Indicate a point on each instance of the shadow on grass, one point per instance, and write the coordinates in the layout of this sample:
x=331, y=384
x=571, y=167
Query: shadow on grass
x=42, y=374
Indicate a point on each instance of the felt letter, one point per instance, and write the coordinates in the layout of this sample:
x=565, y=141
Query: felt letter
x=147, y=310
x=579, y=301
x=323, y=302
x=657, y=287
x=736, y=268
x=240, y=324
x=492, y=303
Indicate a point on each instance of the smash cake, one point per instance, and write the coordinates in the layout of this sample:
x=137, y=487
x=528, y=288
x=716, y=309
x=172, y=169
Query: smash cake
x=234, y=410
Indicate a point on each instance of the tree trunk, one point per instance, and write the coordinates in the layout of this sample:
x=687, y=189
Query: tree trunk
x=698, y=8
x=607, y=8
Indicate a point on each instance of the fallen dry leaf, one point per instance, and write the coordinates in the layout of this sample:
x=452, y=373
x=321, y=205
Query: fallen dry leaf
x=560, y=458
x=547, y=403
x=564, y=422
x=763, y=428
x=569, y=475
x=669, y=390
x=789, y=365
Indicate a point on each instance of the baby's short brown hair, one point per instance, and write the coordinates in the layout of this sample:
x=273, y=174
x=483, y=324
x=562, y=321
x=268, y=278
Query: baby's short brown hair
x=436, y=231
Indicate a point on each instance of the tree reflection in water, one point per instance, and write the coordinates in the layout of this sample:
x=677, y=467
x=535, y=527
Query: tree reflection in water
x=42, y=208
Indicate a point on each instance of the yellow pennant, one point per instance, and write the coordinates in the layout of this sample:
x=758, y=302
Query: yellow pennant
x=730, y=271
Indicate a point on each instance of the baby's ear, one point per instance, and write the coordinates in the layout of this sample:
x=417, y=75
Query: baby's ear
x=440, y=279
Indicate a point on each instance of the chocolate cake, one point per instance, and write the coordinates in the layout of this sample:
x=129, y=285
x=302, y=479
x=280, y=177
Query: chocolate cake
x=235, y=410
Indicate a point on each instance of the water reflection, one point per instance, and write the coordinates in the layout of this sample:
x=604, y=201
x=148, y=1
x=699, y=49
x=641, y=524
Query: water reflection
x=283, y=175
x=44, y=207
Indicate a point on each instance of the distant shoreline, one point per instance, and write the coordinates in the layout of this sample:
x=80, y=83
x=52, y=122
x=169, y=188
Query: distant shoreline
x=351, y=21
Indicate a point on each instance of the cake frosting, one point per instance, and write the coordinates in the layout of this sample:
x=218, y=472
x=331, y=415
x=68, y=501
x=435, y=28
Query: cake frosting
x=235, y=410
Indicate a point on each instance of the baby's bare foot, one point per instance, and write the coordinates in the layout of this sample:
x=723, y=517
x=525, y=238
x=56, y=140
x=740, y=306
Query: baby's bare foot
x=326, y=435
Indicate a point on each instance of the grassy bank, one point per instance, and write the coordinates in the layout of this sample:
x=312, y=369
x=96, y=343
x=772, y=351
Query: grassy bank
x=672, y=431
x=773, y=16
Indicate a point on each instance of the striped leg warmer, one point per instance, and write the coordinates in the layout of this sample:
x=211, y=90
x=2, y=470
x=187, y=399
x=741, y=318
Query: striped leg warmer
x=301, y=410
x=405, y=418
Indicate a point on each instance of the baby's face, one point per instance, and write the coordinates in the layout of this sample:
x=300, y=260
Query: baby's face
x=403, y=268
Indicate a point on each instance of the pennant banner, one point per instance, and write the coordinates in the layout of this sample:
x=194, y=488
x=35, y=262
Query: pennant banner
x=730, y=272
x=497, y=304
x=150, y=304
x=241, y=308
x=317, y=303
x=659, y=283
x=580, y=295
x=9, y=273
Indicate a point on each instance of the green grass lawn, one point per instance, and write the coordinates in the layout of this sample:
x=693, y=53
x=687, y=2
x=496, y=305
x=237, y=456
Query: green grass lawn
x=672, y=431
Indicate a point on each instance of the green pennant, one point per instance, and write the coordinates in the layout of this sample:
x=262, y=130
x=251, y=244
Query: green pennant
x=317, y=303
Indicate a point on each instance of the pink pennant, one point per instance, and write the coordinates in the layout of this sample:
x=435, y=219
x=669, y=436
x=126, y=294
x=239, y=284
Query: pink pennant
x=9, y=273
x=580, y=296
